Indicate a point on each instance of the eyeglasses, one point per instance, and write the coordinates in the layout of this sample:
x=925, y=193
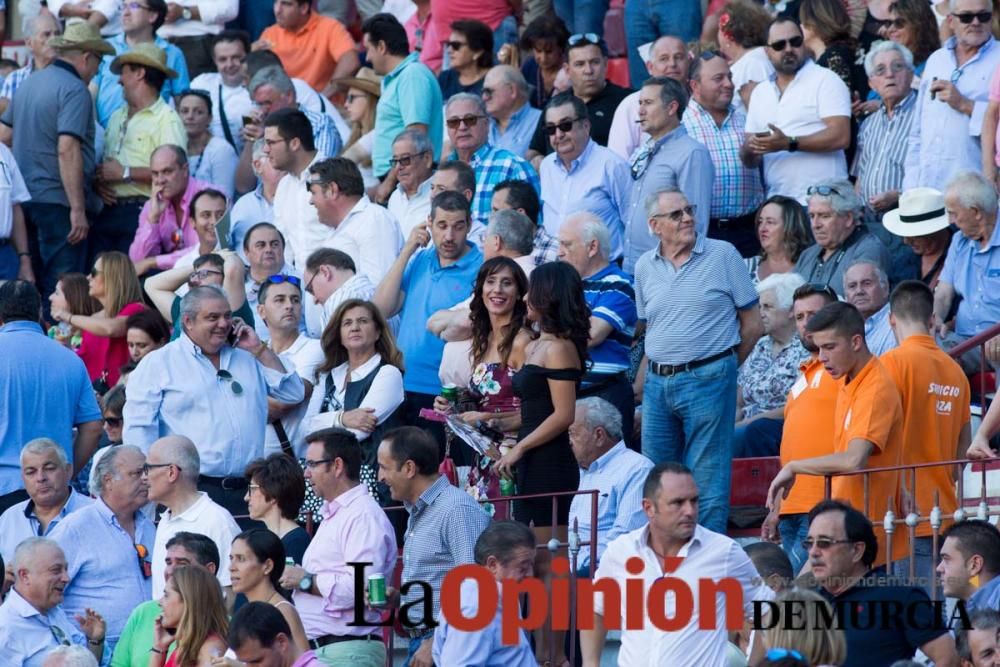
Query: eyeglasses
x=223, y=374
x=584, y=38
x=315, y=181
x=351, y=97
x=309, y=285
x=678, y=215
x=469, y=120
x=894, y=68
x=487, y=93
x=782, y=653
x=94, y=272
x=822, y=190
x=406, y=160
x=794, y=42
x=272, y=142
x=968, y=17
x=563, y=126
x=279, y=278
x=822, y=543
x=201, y=274
x=454, y=46
x=318, y=462
x=146, y=467
x=253, y=487
x=113, y=422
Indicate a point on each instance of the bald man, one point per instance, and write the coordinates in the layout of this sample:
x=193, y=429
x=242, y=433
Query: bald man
x=172, y=465
x=512, y=119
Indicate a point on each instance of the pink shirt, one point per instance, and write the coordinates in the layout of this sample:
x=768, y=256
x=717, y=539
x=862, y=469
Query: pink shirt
x=102, y=354
x=158, y=240
x=354, y=529
x=307, y=659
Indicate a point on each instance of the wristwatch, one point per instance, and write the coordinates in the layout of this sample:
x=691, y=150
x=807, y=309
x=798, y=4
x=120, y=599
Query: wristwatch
x=793, y=144
x=186, y=14
x=306, y=583
x=127, y=175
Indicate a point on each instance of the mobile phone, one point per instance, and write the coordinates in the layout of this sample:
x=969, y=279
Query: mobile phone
x=762, y=134
x=933, y=92
x=232, y=338
x=249, y=120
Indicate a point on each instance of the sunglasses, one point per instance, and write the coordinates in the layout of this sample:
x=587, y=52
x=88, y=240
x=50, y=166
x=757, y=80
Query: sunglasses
x=584, y=38
x=469, y=120
x=968, y=17
x=454, y=46
x=225, y=375
x=782, y=653
x=709, y=54
x=896, y=23
x=809, y=289
x=563, y=126
x=821, y=190
x=794, y=42
x=678, y=215
x=405, y=160
x=822, y=543
x=279, y=278
x=94, y=272
x=113, y=422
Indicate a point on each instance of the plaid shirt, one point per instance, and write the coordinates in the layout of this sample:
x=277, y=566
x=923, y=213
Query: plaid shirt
x=494, y=166
x=737, y=190
x=546, y=247
x=14, y=80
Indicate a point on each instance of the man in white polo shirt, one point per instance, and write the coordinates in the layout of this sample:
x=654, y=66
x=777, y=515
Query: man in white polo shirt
x=799, y=122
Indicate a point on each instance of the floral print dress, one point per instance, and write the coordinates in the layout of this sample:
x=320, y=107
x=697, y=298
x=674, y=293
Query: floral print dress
x=492, y=389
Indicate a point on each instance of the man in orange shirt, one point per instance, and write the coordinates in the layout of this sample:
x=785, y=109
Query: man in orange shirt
x=867, y=426
x=314, y=48
x=811, y=401
x=936, y=427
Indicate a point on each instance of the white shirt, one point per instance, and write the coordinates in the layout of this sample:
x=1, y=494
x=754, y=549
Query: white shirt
x=214, y=15
x=12, y=191
x=236, y=99
x=357, y=286
x=412, y=211
x=205, y=517
x=297, y=219
x=370, y=235
x=707, y=555
x=303, y=357
x=752, y=67
x=625, y=134
x=815, y=93
x=111, y=9
x=217, y=165
x=385, y=394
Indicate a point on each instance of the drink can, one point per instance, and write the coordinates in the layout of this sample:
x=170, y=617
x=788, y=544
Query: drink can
x=450, y=393
x=376, y=589
x=507, y=487
x=289, y=561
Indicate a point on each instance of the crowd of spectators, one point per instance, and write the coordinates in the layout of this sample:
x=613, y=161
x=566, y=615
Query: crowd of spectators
x=289, y=289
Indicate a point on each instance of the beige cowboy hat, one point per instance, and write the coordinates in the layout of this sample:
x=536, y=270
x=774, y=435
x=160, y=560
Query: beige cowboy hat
x=921, y=212
x=144, y=54
x=366, y=79
x=82, y=36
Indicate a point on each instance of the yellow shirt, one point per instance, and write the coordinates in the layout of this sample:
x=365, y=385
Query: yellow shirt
x=132, y=141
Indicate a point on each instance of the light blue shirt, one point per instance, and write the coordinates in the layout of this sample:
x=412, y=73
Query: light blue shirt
x=179, y=393
x=878, y=332
x=19, y=523
x=44, y=393
x=109, y=93
x=598, y=181
x=618, y=474
x=975, y=275
x=520, y=128
x=104, y=569
x=987, y=597
x=410, y=94
x=248, y=210
x=482, y=648
x=27, y=635
x=943, y=141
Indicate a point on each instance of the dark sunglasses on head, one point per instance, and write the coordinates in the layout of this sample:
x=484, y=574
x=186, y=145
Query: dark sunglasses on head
x=279, y=278
x=709, y=54
x=821, y=190
x=404, y=160
x=809, y=289
x=782, y=653
x=794, y=42
x=967, y=17
x=563, y=126
x=470, y=121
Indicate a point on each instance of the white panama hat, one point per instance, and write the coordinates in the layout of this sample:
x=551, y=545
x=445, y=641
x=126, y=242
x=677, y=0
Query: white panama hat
x=921, y=212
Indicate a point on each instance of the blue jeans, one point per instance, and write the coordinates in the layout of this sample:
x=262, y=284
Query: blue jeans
x=923, y=552
x=581, y=16
x=9, y=261
x=688, y=417
x=761, y=437
x=794, y=528
x=413, y=646
x=48, y=227
x=645, y=20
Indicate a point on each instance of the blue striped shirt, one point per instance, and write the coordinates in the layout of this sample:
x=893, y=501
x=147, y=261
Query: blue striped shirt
x=619, y=475
x=493, y=166
x=690, y=312
x=882, y=144
x=611, y=297
x=325, y=135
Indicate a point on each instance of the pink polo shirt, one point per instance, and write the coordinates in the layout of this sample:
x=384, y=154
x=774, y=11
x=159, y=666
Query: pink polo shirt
x=158, y=240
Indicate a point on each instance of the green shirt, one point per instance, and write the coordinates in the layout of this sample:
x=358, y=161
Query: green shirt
x=132, y=141
x=132, y=649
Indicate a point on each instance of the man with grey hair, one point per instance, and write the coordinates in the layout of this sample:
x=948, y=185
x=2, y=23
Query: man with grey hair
x=841, y=238
x=413, y=159
x=173, y=464
x=606, y=464
x=466, y=120
x=109, y=543
x=38, y=30
x=585, y=244
x=978, y=645
x=69, y=656
x=866, y=287
x=220, y=360
x=512, y=119
x=46, y=473
x=32, y=618
x=971, y=267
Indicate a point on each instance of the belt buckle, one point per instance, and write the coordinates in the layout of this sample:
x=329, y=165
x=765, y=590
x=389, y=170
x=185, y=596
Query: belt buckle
x=225, y=483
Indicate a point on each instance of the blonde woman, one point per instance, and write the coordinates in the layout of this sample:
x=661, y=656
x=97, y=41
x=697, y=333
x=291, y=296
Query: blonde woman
x=826, y=648
x=104, y=348
x=363, y=91
x=194, y=616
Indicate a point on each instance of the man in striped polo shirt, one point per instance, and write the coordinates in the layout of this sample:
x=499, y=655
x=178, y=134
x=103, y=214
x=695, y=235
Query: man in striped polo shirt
x=701, y=315
x=585, y=244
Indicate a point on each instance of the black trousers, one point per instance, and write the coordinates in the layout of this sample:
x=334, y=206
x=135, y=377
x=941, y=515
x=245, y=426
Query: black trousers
x=617, y=391
x=740, y=231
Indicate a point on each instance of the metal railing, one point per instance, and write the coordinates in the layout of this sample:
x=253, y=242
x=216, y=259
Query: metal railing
x=979, y=340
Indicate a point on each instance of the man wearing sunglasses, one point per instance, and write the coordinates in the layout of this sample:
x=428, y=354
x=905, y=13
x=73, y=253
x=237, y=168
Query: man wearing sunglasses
x=798, y=123
x=842, y=550
x=412, y=158
x=952, y=105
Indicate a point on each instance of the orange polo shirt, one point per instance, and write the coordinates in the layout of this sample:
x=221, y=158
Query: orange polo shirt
x=869, y=408
x=935, y=396
x=311, y=53
x=808, y=432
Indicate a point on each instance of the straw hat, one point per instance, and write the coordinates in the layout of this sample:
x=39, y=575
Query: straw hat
x=144, y=54
x=921, y=212
x=366, y=79
x=82, y=36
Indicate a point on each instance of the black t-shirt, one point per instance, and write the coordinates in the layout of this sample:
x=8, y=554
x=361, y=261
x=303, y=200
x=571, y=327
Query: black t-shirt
x=601, y=110
x=295, y=542
x=875, y=638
